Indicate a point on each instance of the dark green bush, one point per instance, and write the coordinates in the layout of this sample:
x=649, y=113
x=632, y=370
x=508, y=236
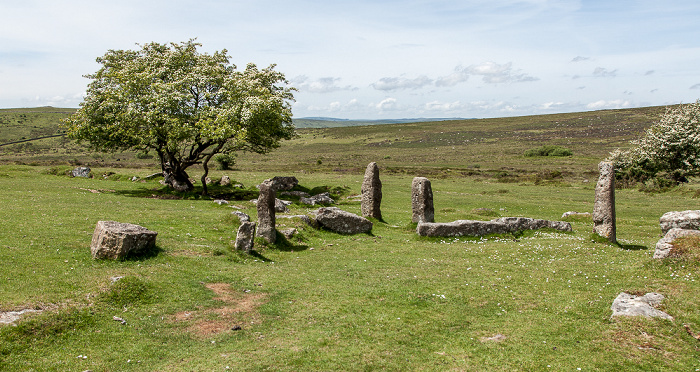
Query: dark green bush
x=549, y=150
x=225, y=161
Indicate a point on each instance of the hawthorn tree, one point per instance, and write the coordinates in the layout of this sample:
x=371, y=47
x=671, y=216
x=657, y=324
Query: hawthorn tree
x=184, y=105
x=670, y=148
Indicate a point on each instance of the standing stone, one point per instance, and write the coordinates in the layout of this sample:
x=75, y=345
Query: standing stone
x=266, y=213
x=372, y=193
x=604, y=207
x=245, y=236
x=422, y=201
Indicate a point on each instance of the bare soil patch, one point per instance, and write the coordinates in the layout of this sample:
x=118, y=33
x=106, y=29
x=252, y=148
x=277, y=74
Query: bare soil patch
x=238, y=312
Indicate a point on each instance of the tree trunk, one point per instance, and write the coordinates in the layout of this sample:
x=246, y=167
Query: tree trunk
x=177, y=178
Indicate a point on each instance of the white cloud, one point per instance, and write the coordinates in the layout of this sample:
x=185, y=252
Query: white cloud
x=443, y=106
x=604, y=72
x=491, y=73
x=392, y=83
x=614, y=104
x=388, y=104
x=696, y=86
x=580, y=59
x=320, y=85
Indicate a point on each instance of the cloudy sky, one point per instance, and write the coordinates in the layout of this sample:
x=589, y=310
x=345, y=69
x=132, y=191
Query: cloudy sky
x=372, y=59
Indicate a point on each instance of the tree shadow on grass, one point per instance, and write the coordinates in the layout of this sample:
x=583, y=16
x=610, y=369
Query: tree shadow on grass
x=285, y=245
x=632, y=247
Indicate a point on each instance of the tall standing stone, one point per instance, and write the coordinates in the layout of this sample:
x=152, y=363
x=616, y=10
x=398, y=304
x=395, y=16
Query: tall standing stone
x=604, y=207
x=266, y=213
x=422, y=200
x=372, y=192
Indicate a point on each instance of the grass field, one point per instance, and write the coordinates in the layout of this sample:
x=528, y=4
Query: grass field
x=389, y=300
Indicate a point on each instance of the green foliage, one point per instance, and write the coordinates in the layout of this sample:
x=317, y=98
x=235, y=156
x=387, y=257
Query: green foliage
x=225, y=161
x=668, y=153
x=184, y=105
x=549, y=150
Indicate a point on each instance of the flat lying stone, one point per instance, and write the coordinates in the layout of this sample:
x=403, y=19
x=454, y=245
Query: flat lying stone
x=504, y=225
x=342, y=222
x=687, y=220
x=665, y=244
x=116, y=240
x=628, y=305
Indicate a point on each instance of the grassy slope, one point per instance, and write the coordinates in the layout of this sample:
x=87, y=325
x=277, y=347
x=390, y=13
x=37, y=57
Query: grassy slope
x=322, y=301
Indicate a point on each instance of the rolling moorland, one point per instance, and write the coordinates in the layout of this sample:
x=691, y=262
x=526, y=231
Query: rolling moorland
x=388, y=300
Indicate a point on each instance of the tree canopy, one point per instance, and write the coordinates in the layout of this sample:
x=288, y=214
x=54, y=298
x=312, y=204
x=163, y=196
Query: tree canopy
x=670, y=148
x=184, y=105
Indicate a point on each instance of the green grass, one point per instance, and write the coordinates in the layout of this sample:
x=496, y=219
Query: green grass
x=321, y=301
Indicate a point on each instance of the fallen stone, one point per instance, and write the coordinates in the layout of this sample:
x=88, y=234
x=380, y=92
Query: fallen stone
x=324, y=199
x=628, y=305
x=504, y=225
x=245, y=237
x=687, y=220
x=665, y=244
x=281, y=183
x=83, y=172
x=225, y=181
x=575, y=214
x=221, y=201
x=116, y=240
x=288, y=233
x=298, y=194
x=9, y=317
x=342, y=222
x=241, y=216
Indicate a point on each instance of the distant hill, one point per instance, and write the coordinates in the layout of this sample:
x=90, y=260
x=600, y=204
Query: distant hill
x=325, y=122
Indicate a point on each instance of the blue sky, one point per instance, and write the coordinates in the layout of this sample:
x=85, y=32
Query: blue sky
x=372, y=59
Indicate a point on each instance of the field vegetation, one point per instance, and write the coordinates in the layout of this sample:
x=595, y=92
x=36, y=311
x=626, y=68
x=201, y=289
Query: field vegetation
x=388, y=300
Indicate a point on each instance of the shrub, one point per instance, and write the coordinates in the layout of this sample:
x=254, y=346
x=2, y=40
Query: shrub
x=549, y=150
x=669, y=151
x=225, y=161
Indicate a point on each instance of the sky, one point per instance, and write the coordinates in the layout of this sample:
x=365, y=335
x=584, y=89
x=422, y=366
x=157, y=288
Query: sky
x=380, y=59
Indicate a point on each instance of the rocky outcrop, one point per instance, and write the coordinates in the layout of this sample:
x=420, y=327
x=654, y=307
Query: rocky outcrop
x=323, y=199
x=116, y=240
x=628, y=305
x=665, y=244
x=340, y=221
x=687, y=220
x=503, y=225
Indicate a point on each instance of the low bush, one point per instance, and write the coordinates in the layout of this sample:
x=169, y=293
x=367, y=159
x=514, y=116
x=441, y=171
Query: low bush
x=549, y=150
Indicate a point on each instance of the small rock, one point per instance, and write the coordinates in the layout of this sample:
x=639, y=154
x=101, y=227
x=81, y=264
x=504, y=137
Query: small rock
x=288, y=233
x=225, y=181
x=83, y=172
x=241, y=216
x=687, y=220
x=628, y=305
x=665, y=244
x=324, y=198
x=220, y=201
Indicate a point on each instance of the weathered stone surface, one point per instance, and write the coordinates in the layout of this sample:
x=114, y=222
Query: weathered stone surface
x=266, y=213
x=422, y=200
x=288, y=233
x=665, y=244
x=575, y=214
x=9, y=317
x=116, y=240
x=687, y=220
x=281, y=183
x=604, y=207
x=221, y=201
x=503, y=225
x=461, y=228
x=299, y=194
x=245, y=236
x=628, y=305
x=280, y=205
x=522, y=223
x=83, y=172
x=342, y=222
x=324, y=199
x=225, y=181
x=241, y=216
x=371, y=192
